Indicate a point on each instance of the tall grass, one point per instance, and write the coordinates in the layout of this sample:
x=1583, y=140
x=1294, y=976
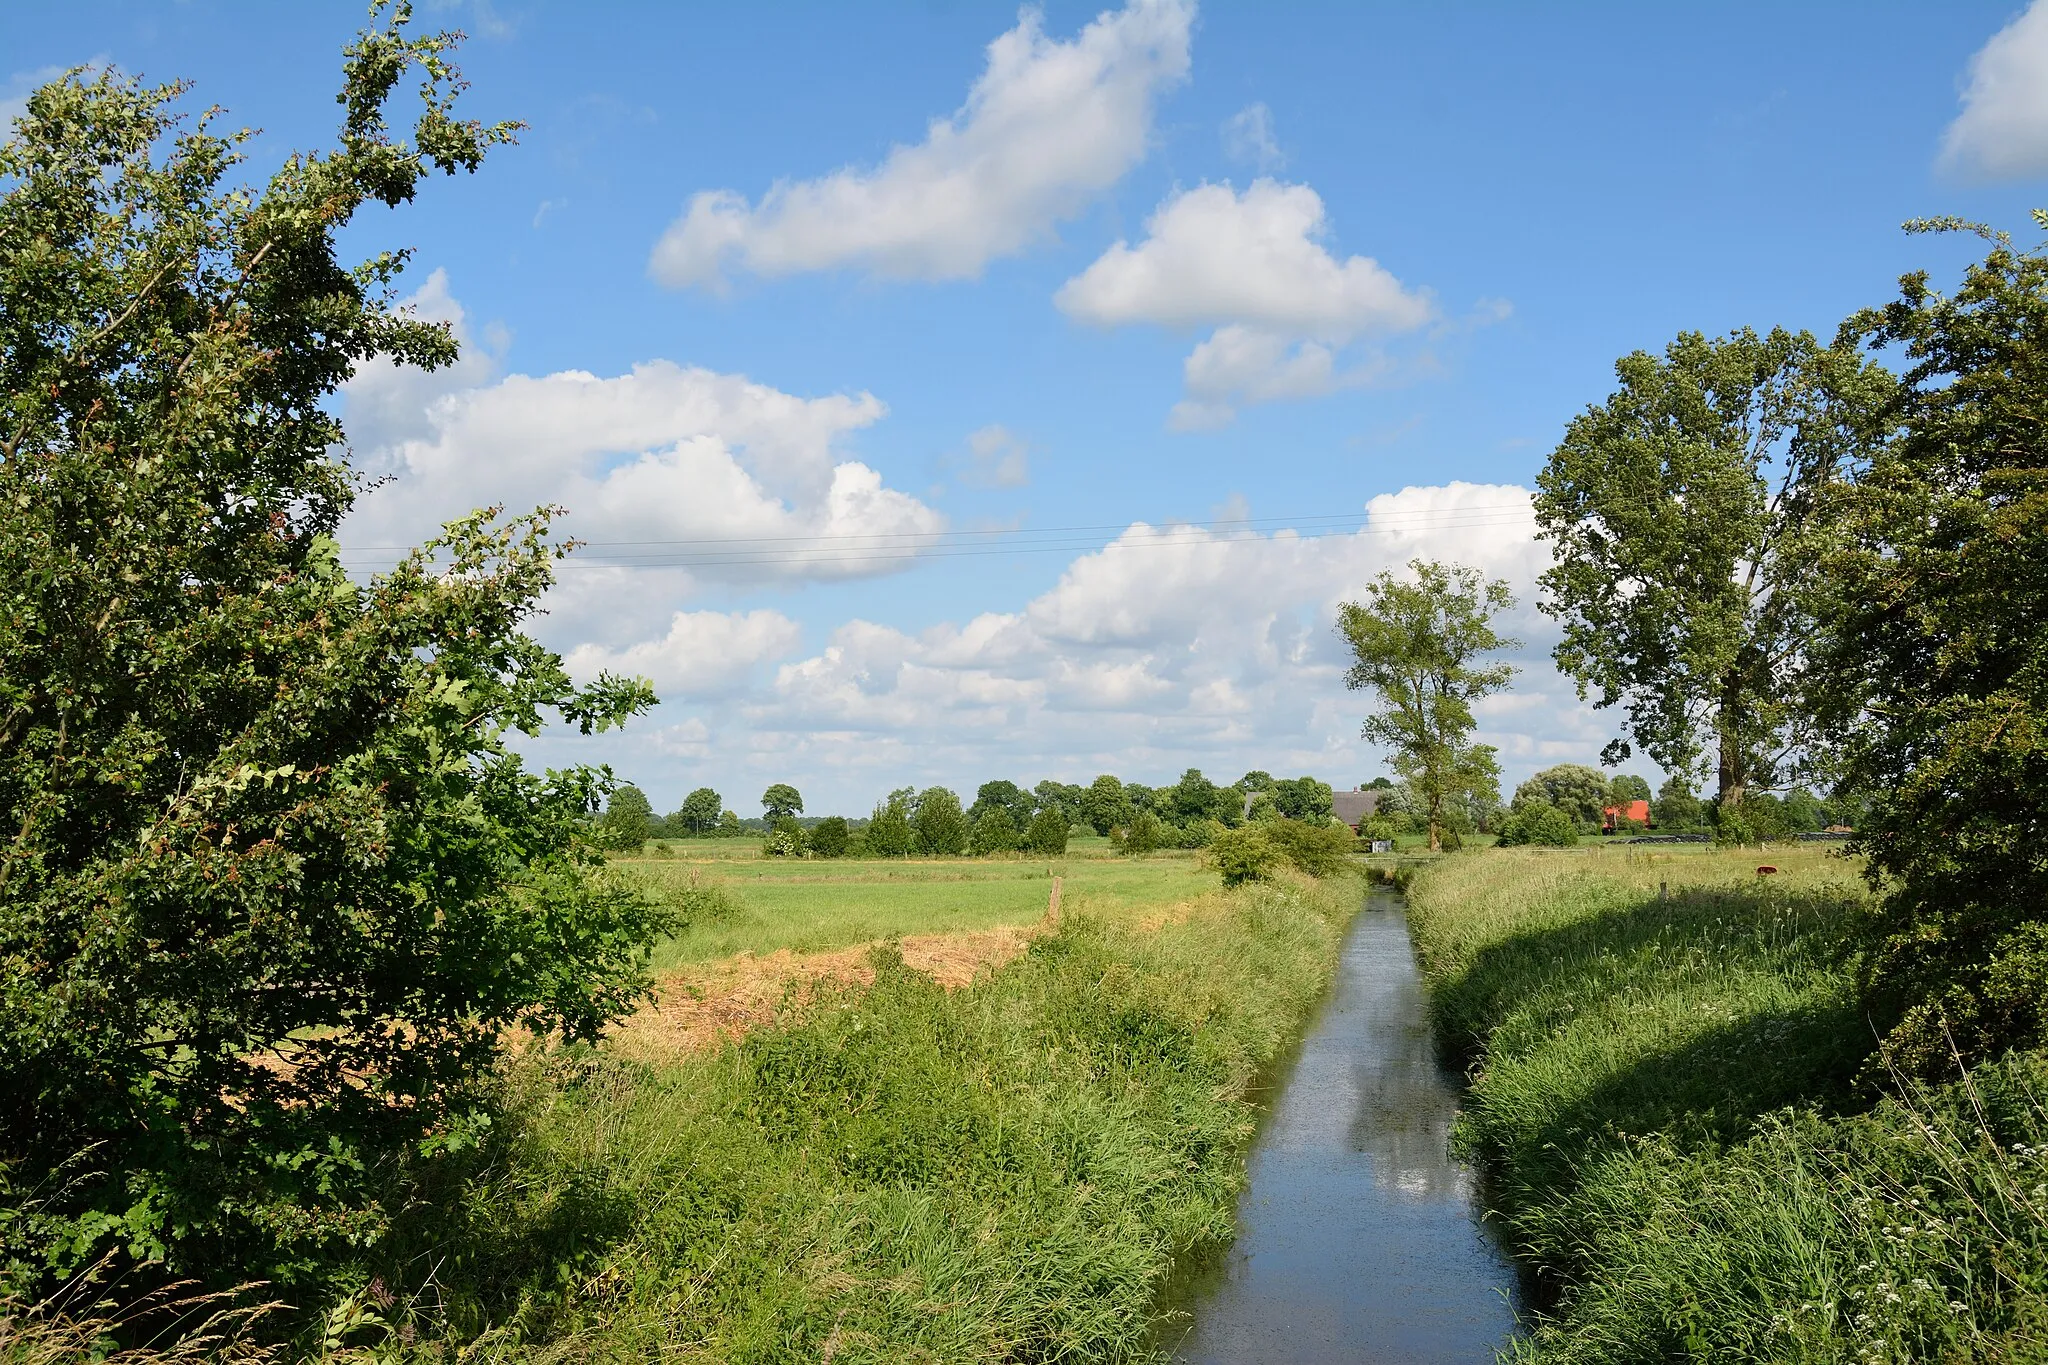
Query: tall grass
x=899, y=1173
x=1661, y=1050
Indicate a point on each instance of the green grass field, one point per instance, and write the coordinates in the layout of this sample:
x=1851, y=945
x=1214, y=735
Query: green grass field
x=758, y=904
x=1665, y=1050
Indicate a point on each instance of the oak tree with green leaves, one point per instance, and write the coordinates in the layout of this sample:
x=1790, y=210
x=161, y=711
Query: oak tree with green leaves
x=698, y=815
x=1420, y=644
x=273, y=884
x=782, y=802
x=1683, y=514
x=1936, y=661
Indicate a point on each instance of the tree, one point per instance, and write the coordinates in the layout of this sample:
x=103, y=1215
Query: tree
x=1681, y=513
x=1144, y=834
x=831, y=836
x=276, y=886
x=1304, y=798
x=628, y=819
x=1580, y=792
x=729, y=826
x=889, y=834
x=994, y=832
x=1255, y=781
x=940, y=823
x=1627, y=787
x=781, y=800
x=1935, y=664
x=1107, y=807
x=1047, y=834
x=1012, y=799
x=1676, y=809
x=1141, y=797
x=1536, y=822
x=1416, y=645
x=785, y=838
x=699, y=813
x=1243, y=855
x=1069, y=800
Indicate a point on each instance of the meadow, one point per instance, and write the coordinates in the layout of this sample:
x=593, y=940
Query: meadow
x=1685, y=1136
x=738, y=901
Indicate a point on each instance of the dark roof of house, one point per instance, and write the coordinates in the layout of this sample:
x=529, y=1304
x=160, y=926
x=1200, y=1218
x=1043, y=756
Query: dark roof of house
x=1353, y=807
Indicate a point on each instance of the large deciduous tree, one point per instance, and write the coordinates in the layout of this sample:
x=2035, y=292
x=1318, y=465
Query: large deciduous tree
x=1682, y=514
x=273, y=885
x=782, y=802
x=700, y=810
x=1419, y=644
x=1936, y=662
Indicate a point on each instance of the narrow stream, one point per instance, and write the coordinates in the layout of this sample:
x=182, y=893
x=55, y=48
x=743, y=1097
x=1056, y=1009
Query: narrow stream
x=1358, y=1235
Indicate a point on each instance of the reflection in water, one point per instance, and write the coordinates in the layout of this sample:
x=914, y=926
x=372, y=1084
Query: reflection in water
x=1357, y=1237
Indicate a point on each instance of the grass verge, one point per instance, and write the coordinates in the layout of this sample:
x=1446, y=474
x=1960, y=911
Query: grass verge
x=1660, y=1048
x=900, y=1173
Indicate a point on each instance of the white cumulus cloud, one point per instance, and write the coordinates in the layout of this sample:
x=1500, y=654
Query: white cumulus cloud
x=674, y=475
x=2002, y=132
x=1048, y=127
x=704, y=654
x=1256, y=267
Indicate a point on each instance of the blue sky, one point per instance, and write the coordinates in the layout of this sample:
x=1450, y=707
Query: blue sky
x=1344, y=269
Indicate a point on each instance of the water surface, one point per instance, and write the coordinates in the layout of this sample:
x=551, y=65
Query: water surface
x=1358, y=1235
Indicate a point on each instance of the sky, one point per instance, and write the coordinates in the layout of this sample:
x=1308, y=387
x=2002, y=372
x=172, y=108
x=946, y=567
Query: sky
x=948, y=391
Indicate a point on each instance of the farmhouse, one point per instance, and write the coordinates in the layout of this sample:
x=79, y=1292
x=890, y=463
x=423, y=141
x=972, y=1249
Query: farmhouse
x=1637, y=812
x=1354, y=808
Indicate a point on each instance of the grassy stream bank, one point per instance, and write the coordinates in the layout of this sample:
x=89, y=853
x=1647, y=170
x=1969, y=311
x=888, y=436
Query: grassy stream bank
x=1664, y=1100
x=901, y=1173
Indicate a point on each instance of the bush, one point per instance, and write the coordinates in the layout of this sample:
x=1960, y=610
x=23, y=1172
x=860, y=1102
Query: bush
x=1145, y=834
x=889, y=834
x=276, y=888
x=1047, y=836
x=1535, y=823
x=1321, y=848
x=1245, y=854
x=831, y=837
x=940, y=823
x=994, y=832
x=786, y=839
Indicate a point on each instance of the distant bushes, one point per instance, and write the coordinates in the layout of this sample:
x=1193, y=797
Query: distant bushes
x=1251, y=852
x=1535, y=822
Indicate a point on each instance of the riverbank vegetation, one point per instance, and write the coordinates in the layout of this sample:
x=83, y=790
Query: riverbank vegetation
x=1688, y=1138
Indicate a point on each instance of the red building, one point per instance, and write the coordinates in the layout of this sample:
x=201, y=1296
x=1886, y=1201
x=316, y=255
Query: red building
x=1636, y=811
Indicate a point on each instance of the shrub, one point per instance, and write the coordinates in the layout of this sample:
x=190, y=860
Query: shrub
x=940, y=823
x=1047, y=836
x=1144, y=834
x=276, y=886
x=1321, y=848
x=1246, y=854
x=889, y=834
x=785, y=839
x=994, y=832
x=1533, y=822
x=831, y=837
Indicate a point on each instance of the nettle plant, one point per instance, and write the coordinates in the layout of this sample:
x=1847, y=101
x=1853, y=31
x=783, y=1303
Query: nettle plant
x=273, y=887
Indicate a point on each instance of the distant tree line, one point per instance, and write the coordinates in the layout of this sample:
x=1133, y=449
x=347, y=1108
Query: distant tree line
x=1004, y=817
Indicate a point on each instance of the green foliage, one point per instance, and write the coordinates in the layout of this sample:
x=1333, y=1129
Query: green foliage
x=1676, y=810
x=278, y=884
x=1804, y=812
x=994, y=832
x=1321, y=848
x=1145, y=834
x=1106, y=807
x=785, y=838
x=1071, y=802
x=1195, y=799
x=781, y=801
x=1008, y=797
x=1536, y=822
x=1935, y=662
x=1256, y=780
x=1263, y=807
x=1047, y=834
x=1627, y=787
x=1303, y=798
x=1244, y=855
x=729, y=826
x=831, y=837
x=1415, y=644
x=889, y=832
x=1662, y=1109
x=628, y=820
x=1580, y=792
x=940, y=824
x=1683, y=514
x=699, y=813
